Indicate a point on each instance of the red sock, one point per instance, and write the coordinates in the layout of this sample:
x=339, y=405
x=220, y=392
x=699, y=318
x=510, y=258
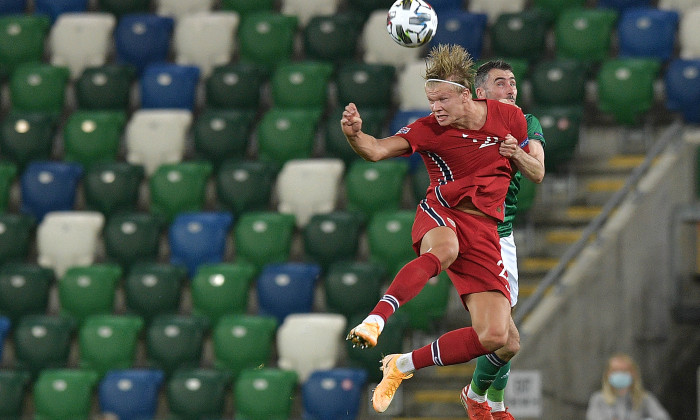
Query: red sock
x=409, y=281
x=453, y=347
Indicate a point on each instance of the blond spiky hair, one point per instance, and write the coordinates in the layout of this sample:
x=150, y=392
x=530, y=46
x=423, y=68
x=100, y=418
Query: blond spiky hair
x=450, y=62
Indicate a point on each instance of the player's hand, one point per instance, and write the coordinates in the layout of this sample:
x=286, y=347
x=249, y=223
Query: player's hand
x=509, y=147
x=351, y=123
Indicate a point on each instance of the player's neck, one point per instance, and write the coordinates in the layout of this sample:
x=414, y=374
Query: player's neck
x=474, y=116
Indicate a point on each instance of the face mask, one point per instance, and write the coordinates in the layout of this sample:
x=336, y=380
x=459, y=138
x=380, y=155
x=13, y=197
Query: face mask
x=620, y=380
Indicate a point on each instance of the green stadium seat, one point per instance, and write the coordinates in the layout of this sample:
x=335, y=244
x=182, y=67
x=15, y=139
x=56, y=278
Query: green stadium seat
x=220, y=289
x=562, y=129
x=430, y=305
x=152, y=288
x=373, y=122
x=22, y=39
x=112, y=187
x=520, y=35
x=420, y=181
x=88, y=290
x=365, y=84
x=242, y=341
x=221, y=134
x=8, y=174
x=328, y=37
x=235, y=86
x=42, y=342
x=391, y=341
x=245, y=185
x=353, y=287
x=108, y=342
x=93, y=136
x=106, y=87
x=179, y=187
x=24, y=289
x=265, y=393
x=39, y=87
x=124, y=7
x=262, y=238
x=375, y=186
x=584, y=34
x=556, y=7
x=64, y=394
x=389, y=238
x=559, y=82
x=285, y=134
x=197, y=393
x=302, y=84
x=626, y=88
x=14, y=385
x=132, y=237
x=266, y=38
x=331, y=237
x=16, y=233
x=245, y=7
x=175, y=341
x=27, y=136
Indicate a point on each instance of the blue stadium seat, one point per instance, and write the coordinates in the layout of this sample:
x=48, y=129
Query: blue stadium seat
x=53, y=8
x=622, y=5
x=647, y=32
x=285, y=288
x=682, y=83
x=333, y=394
x=130, y=394
x=403, y=118
x=462, y=28
x=12, y=7
x=49, y=186
x=143, y=38
x=197, y=238
x=446, y=6
x=167, y=85
x=4, y=329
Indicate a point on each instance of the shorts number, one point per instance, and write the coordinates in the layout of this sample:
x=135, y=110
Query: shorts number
x=504, y=272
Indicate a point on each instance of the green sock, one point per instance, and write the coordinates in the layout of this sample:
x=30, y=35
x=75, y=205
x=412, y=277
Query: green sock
x=497, y=389
x=485, y=373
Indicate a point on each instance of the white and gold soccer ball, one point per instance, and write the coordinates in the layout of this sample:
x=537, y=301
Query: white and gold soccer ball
x=411, y=23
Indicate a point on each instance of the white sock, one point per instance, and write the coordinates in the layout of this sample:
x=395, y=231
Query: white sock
x=497, y=405
x=375, y=319
x=405, y=363
x=474, y=396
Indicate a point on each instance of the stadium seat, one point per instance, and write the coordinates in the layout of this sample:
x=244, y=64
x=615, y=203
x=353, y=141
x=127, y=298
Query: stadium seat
x=680, y=6
x=55, y=8
x=243, y=341
x=205, y=39
x=156, y=136
x=197, y=393
x=22, y=39
x=112, y=187
x=64, y=394
x=420, y=181
x=463, y=28
x=493, y=9
x=245, y=7
x=198, y=238
x=235, y=86
x=13, y=7
x=105, y=87
x=302, y=84
x=285, y=134
x=152, y=288
x=403, y=118
x=286, y=288
x=688, y=34
x=366, y=85
x=336, y=145
x=562, y=125
x=132, y=237
x=306, y=187
x=24, y=290
x=42, y=342
x=621, y=6
x=48, y=186
x=15, y=385
x=626, y=87
x=39, y=87
x=333, y=394
x=169, y=85
x=264, y=393
x=320, y=348
x=93, y=136
x=120, y=8
x=647, y=33
x=108, y=342
x=389, y=238
x=353, y=287
x=526, y=198
x=331, y=237
x=520, y=35
x=365, y=7
x=130, y=393
x=180, y=9
x=91, y=30
x=378, y=48
x=266, y=38
x=27, y=136
x=411, y=86
x=430, y=305
x=220, y=289
x=175, y=341
x=558, y=81
x=391, y=342
x=375, y=186
x=142, y=38
x=5, y=325
x=16, y=234
x=328, y=37
x=555, y=7
x=178, y=187
x=245, y=185
x=65, y=239
x=88, y=290
x=584, y=34
x=221, y=134
x=263, y=237
x=305, y=10
x=682, y=87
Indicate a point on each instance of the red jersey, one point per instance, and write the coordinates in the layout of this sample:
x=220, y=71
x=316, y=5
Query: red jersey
x=466, y=163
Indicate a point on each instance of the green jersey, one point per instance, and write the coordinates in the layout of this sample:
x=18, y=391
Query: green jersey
x=505, y=228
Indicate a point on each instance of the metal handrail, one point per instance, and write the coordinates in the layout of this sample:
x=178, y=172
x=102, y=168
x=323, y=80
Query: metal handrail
x=554, y=275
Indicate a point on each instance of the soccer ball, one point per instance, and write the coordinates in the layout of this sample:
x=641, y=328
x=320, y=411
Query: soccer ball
x=411, y=23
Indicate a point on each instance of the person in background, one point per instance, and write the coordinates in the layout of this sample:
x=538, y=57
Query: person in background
x=623, y=396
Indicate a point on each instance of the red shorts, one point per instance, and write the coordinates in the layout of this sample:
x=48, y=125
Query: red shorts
x=478, y=267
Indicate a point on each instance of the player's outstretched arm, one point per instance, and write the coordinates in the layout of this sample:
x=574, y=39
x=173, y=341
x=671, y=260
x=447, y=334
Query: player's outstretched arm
x=369, y=147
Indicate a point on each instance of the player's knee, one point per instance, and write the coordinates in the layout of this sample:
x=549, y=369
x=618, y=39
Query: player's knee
x=494, y=338
x=446, y=253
